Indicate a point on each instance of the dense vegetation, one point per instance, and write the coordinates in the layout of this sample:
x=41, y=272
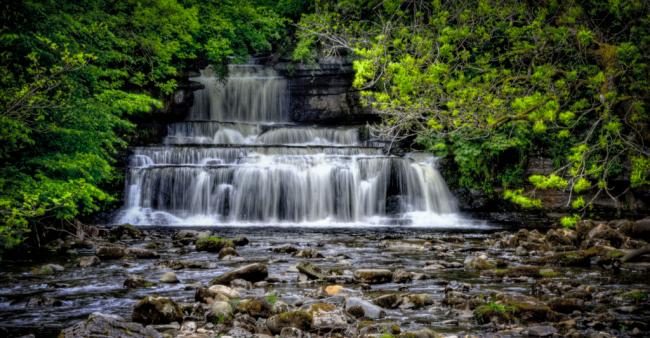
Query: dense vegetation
x=487, y=83
x=71, y=74
x=491, y=83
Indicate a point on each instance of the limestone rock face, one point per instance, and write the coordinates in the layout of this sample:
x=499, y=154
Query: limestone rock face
x=103, y=325
x=323, y=92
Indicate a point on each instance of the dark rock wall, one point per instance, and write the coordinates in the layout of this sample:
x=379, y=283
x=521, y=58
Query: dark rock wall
x=323, y=93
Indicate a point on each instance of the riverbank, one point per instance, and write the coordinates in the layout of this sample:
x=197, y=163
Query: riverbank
x=376, y=282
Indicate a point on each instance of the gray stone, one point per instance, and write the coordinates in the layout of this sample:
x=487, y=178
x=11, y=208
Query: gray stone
x=373, y=276
x=541, y=331
x=169, y=277
x=368, y=309
x=87, y=261
x=252, y=272
x=103, y=325
x=157, y=310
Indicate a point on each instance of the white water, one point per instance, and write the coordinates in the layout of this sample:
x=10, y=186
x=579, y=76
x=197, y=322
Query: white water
x=239, y=161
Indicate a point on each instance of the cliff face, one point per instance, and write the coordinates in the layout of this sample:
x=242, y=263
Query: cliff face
x=323, y=93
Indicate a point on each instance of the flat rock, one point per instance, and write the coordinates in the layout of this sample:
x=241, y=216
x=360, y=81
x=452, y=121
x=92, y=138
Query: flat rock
x=103, y=325
x=110, y=252
x=311, y=271
x=142, y=253
x=373, y=276
x=541, y=331
x=252, y=272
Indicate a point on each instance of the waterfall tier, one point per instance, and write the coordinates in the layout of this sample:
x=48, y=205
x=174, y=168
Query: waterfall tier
x=239, y=160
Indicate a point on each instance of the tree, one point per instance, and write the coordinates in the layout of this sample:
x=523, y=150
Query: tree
x=490, y=83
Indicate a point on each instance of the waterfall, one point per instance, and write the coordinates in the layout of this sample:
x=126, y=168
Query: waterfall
x=238, y=160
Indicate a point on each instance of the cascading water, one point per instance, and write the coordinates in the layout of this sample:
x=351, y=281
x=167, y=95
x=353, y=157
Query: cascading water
x=239, y=160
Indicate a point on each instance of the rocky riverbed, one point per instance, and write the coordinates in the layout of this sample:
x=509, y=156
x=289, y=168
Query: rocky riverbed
x=301, y=282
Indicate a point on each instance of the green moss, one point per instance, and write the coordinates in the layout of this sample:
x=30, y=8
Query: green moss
x=635, y=295
x=489, y=310
x=322, y=307
x=272, y=298
x=548, y=273
x=213, y=244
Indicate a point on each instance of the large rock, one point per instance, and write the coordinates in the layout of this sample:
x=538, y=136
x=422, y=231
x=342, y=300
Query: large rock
x=301, y=320
x=373, y=276
x=478, y=262
x=110, y=252
x=639, y=229
x=103, y=325
x=126, y=231
x=327, y=317
x=252, y=272
x=603, y=233
x=256, y=308
x=157, y=310
x=213, y=244
x=311, y=271
x=363, y=308
x=142, y=253
x=220, y=311
x=136, y=281
x=88, y=261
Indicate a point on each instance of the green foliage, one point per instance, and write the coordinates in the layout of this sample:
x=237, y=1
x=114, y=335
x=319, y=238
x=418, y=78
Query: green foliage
x=73, y=72
x=517, y=197
x=490, y=84
x=570, y=222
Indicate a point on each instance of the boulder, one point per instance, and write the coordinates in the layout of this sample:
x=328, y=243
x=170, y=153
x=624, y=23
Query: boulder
x=570, y=258
x=169, y=277
x=142, y=253
x=126, y=231
x=252, y=272
x=479, y=262
x=389, y=301
x=240, y=241
x=541, y=331
x=227, y=251
x=402, y=276
x=301, y=320
x=639, y=229
x=421, y=333
x=566, y=304
x=358, y=307
x=416, y=301
x=311, y=271
x=48, y=269
x=603, y=232
x=88, y=261
x=224, y=291
x=136, y=281
x=157, y=310
x=285, y=249
x=110, y=252
x=212, y=243
x=256, y=307
x=103, y=325
x=327, y=317
x=220, y=311
x=373, y=276
x=308, y=253
x=332, y=290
